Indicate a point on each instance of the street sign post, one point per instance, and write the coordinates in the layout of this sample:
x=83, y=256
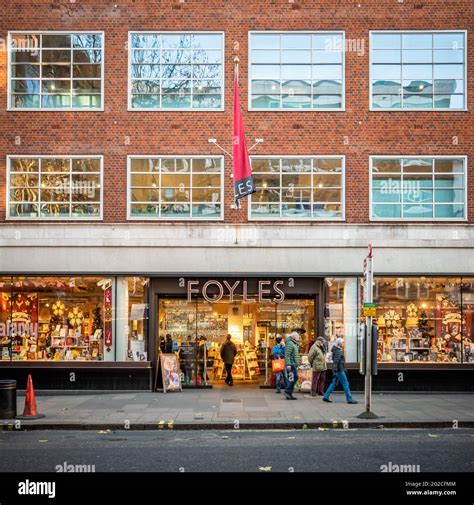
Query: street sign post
x=367, y=342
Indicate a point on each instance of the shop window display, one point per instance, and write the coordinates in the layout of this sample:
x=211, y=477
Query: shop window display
x=55, y=318
x=341, y=313
x=423, y=320
x=134, y=291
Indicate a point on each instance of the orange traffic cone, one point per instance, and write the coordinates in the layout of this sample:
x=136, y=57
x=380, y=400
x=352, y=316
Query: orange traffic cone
x=30, y=411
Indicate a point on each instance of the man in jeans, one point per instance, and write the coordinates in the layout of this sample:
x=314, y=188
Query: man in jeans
x=292, y=361
x=228, y=352
x=339, y=373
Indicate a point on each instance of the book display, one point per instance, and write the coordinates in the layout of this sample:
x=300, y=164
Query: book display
x=39, y=323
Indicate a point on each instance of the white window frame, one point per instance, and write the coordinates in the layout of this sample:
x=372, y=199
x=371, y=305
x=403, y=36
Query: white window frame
x=100, y=157
x=180, y=218
x=414, y=32
x=174, y=32
x=299, y=32
x=53, y=109
x=419, y=220
x=300, y=219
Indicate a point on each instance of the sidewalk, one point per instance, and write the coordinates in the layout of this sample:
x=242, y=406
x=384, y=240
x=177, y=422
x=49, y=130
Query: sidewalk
x=243, y=408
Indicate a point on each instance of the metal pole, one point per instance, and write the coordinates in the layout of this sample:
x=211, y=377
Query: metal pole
x=368, y=339
x=205, y=364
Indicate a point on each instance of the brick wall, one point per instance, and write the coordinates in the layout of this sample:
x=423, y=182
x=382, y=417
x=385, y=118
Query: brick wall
x=303, y=133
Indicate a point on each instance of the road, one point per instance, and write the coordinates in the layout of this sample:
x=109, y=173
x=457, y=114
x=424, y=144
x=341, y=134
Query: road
x=247, y=451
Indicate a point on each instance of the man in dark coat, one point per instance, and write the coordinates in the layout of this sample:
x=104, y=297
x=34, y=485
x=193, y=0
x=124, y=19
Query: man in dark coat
x=228, y=353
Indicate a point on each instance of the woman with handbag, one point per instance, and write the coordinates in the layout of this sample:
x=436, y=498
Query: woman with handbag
x=278, y=363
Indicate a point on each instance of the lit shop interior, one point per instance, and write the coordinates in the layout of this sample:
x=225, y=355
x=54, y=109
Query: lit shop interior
x=253, y=326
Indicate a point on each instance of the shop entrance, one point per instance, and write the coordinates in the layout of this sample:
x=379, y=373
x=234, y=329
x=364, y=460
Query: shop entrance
x=196, y=330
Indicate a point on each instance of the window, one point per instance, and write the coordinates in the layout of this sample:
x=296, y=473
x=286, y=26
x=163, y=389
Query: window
x=58, y=187
x=418, y=70
x=296, y=70
x=176, y=71
x=298, y=188
x=56, y=318
x=175, y=188
x=56, y=70
x=424, y=319
x=418, y=188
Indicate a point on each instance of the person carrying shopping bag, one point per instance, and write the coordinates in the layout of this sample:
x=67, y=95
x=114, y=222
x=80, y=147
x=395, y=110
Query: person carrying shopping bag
x=339, y=372
x=317, y=360
x=278, y=353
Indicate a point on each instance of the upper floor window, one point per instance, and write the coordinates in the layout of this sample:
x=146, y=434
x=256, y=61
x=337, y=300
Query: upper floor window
x=175, y=187
x=296, y=70
x=298, y=188
x=173, y=70
x=415, y=188
x=56, y=70
x=54, y=187
x=418, y=70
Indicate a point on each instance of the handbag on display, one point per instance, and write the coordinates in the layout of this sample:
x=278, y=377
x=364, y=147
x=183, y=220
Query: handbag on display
x=278, y=365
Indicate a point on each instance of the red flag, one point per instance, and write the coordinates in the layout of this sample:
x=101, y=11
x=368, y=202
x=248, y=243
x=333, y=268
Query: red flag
x=243, y=180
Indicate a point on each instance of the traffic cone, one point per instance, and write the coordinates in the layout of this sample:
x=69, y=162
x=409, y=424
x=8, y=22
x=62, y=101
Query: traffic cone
x=30, y=411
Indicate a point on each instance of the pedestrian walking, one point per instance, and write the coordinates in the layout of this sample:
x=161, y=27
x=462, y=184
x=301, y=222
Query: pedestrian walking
x=317, y=360
x=292, y=361
x=339, y=372
x=228, y=353
x=278, y=352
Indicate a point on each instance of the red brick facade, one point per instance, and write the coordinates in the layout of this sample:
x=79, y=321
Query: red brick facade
x=355, y=133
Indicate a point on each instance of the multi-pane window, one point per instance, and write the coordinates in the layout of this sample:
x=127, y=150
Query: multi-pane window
x=418, y=70
x=175, y=188
x=298, y=188
x=54, y=187
x=176, y=70
x=297, y=70
x=52, y=70
x=418, y=188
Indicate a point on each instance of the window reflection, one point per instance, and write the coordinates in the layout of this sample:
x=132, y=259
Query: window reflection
x=50, y=70
x=173, y=71
x=296, y=71
x=429, y=66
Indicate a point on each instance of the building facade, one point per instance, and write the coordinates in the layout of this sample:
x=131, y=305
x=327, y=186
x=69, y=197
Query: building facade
x=118, y=225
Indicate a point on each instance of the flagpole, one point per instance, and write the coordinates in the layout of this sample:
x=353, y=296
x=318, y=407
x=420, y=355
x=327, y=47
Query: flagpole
x=236, y=76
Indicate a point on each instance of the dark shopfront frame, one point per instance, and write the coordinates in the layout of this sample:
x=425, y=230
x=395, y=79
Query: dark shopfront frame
x=391, y=377
x=139, y=376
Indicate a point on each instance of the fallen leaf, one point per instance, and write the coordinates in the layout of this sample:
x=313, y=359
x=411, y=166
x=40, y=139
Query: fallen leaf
x=265, y=468
x=433, y=436
x=103, y=432
x=42, y=440
x=322, y=429
x=291, y=438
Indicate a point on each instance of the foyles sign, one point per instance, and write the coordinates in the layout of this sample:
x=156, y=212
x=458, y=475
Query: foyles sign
x=214, y=291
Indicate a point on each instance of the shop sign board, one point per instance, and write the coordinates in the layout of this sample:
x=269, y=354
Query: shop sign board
x=369, y=309
x=213, y=291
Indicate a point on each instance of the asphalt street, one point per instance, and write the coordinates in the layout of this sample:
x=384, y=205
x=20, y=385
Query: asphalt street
x=443, y=450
